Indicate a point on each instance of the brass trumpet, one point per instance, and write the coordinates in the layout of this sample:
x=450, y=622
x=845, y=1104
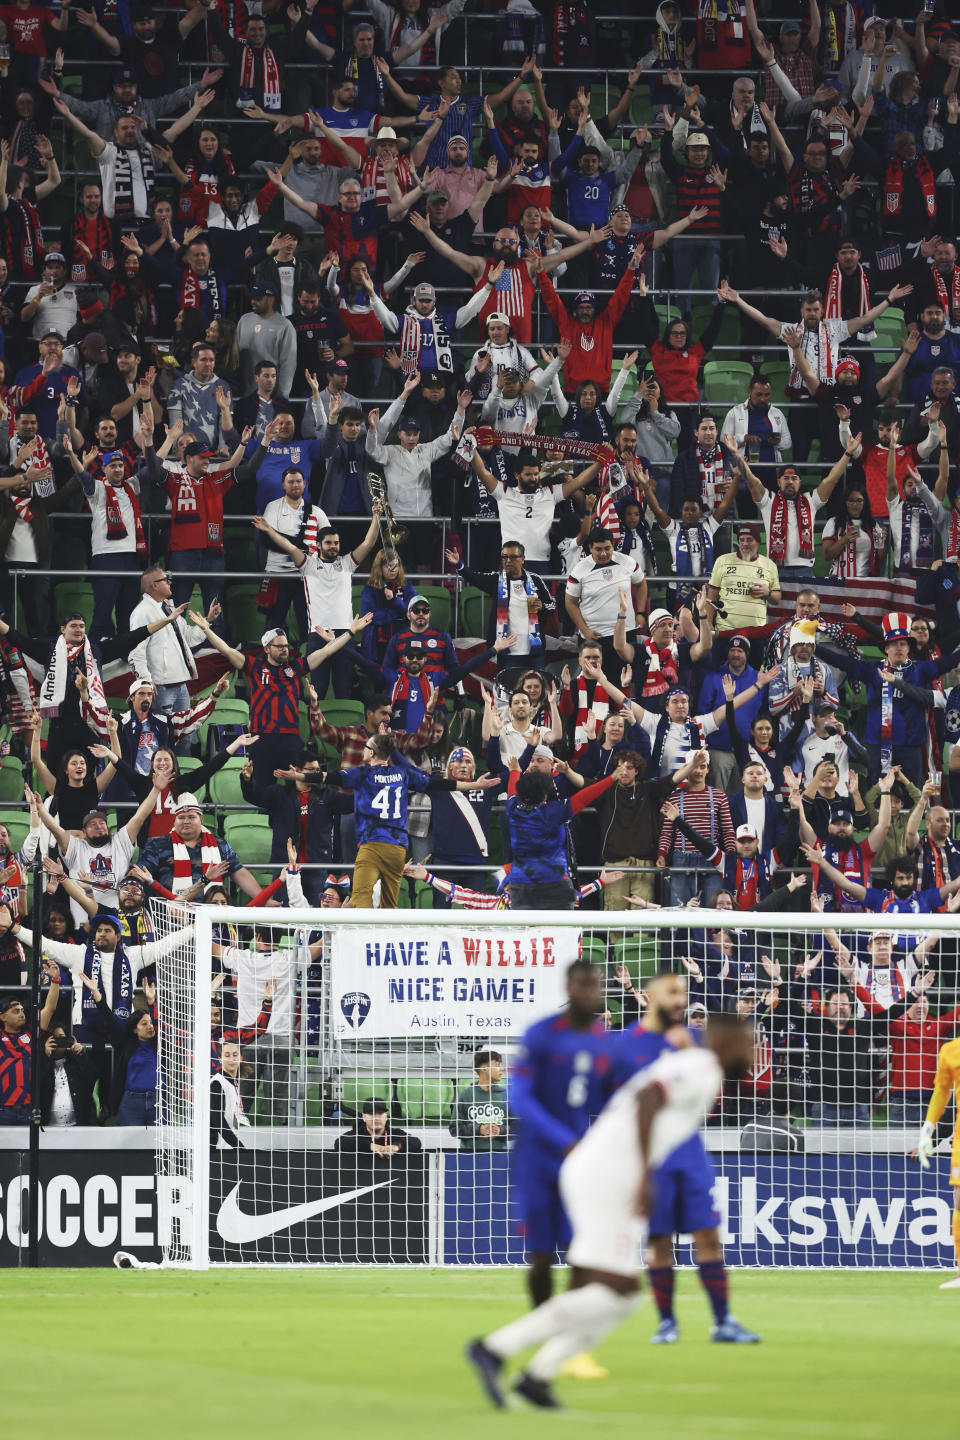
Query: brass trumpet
x=391, y=534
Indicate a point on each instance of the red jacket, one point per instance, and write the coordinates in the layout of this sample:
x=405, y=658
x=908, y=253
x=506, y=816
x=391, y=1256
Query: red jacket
x=592, y=355
x=914, y=1045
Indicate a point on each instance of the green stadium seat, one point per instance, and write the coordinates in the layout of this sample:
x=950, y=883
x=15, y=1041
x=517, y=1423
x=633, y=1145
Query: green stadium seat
x=224, y=786
x=343, y=712
x=356, y=1089
x=251, y=841
x=11, y=781
x=427, y=1101
x=73, y=595
x=725, y=381
x=474, y=610
x=17, y=823
x=230, y=712
x=441, y=604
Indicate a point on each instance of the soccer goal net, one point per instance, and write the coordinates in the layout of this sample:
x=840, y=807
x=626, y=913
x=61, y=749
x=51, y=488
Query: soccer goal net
x=336, y=1086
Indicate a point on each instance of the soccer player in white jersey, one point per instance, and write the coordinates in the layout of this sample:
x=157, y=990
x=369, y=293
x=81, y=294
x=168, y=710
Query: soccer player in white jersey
x=607, y=1184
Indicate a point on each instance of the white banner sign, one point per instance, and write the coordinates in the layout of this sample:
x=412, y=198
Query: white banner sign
x=441, y=982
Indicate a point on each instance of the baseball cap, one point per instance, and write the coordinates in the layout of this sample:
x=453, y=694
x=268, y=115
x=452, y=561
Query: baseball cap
x=585, y=297
x=791, y=27
x=95, y=814
x=269, y=636
x=94, y=347
x=196, y=447
x=129, y=347
x=262, y=288
x=105, y=917
x=698, y=141
x=124, y=75
x=414, y=647
x=55, y=255
x=424, y=291
x=144, y=683
x=340, y=365
x=8, y=1001
x=822, y=705
x=431, y=377
x=187, y=802
x=408, y=422
x=112, y=455
x=656, y=616
x=843, y=814
x=375, y=1106
x=746, y=832
x=497, y=317
x=418, y=602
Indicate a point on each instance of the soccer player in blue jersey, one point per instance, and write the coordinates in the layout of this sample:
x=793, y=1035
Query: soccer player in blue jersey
x=683, y=1185
x=559, y=1082
x=381, y=788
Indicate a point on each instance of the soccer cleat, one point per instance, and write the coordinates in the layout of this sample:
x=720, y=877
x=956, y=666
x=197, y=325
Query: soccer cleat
x=583, y=1367
x=951, y=1284
x=538, y=1392
x=666, y=1333
x=488, y=1367
x=731, y=1332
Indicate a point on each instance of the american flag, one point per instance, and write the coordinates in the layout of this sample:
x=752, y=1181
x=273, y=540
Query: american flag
x=874, y=597
x=889, y=259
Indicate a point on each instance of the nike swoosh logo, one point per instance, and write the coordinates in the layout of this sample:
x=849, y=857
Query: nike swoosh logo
x=238, y=1228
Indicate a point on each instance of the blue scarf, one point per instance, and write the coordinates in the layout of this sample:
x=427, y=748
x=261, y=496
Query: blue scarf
x=503, y=610
x=122, y=984
x=924, y=537
x=684, y=564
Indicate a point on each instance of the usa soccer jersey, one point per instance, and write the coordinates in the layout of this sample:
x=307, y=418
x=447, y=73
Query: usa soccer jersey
x=559, y=1082
x=381, y=799
x=683, y=1187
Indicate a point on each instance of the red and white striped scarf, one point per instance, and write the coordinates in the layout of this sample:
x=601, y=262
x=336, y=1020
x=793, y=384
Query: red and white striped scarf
x=21, y=503
x=116, y=529
x=951, y=301
x=662, y=669
x=779, y=528
x=182, y=867
x=831, y=309
x=271, y=75
x=824, y=360
x=54, y=687
x=598, y=706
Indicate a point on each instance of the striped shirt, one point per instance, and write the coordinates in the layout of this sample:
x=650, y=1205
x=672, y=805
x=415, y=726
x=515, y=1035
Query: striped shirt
x=694, y=187
x=708, y=812
x=274, y=695
x=14, y=1069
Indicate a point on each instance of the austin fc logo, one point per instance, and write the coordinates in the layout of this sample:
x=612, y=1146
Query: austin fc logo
x=356, y=1007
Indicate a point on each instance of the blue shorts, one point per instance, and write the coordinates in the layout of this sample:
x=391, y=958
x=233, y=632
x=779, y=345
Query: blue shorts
x=536, y=1192
x=683, y=1191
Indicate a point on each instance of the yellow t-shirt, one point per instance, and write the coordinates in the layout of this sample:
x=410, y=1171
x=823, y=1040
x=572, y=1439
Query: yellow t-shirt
x=733, y=577
x=947, y=1079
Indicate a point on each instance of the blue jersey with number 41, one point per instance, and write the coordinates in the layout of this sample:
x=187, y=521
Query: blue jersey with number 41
x=381, y=794
x=559, y=1082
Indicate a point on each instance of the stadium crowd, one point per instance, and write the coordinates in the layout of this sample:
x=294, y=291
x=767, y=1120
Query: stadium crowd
x=500, y=490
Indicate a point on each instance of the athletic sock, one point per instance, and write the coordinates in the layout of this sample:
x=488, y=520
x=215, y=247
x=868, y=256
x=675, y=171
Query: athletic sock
x=956, y=1237
x=532, y=1329
x=661, y=1279
x=713, y=1278
x=597, y=1310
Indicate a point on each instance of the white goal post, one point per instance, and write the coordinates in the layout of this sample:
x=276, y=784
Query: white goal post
x=372, y=1120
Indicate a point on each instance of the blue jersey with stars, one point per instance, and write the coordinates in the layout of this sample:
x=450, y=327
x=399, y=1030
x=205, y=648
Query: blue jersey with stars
x=559, y=1082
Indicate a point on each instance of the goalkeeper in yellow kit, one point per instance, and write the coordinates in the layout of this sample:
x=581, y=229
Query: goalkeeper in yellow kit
x=947, y=1079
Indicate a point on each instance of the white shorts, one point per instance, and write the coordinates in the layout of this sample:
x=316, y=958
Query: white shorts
x=600, y=1203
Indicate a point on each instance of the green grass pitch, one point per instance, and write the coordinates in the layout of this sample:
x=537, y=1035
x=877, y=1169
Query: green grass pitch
x=377, y=1353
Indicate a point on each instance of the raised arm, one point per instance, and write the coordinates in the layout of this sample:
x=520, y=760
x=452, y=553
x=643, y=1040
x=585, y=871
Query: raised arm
x=235, y=657
x=733, y=297
x=471, y=265
x=96, y=143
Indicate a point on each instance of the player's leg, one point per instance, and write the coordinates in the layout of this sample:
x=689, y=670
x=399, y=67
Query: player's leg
x=597, y=1302
x=660, y=1274
x=696, y=1214
x=955, y=1183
